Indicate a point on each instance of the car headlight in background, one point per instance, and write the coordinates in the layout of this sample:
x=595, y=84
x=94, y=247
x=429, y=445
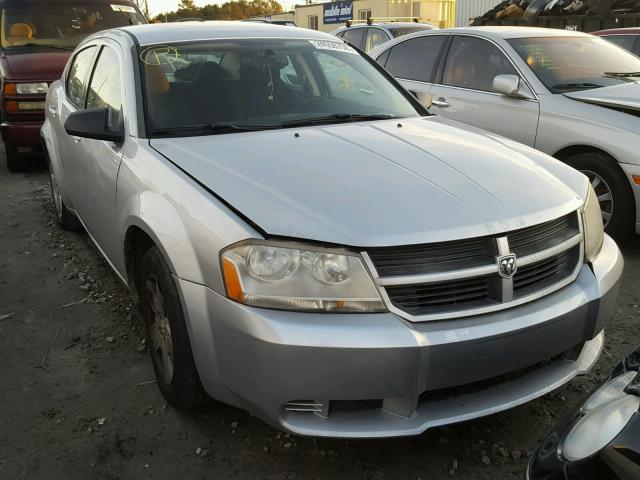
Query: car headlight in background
x=303, y=279
x=592, y=225
x=605, y=414
x=36, y=88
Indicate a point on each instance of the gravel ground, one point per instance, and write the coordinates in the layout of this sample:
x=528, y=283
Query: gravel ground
x=78, y=400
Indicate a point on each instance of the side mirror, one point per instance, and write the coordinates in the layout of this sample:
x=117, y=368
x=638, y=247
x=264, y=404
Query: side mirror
x=508, y=85
x=92, y=123
x=424, y=98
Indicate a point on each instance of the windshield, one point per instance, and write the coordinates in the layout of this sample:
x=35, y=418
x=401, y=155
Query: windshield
x=567, y=64
x=266, y=83
x=61, y=24
x=400, y=31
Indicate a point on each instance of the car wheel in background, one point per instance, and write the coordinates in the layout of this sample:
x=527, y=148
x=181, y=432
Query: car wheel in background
x=167, y=336
x=66, y=219
x=613, y=191
x=15, y=161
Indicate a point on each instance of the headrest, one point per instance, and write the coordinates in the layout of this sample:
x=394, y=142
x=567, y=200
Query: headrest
x=20, y=30
x=156, y=80
x=231, y=63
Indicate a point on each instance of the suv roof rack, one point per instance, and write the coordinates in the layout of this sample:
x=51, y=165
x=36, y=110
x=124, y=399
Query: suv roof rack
x=371, y=20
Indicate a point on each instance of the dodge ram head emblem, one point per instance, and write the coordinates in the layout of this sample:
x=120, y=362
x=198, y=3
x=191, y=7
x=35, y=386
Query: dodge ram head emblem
x=507, y=266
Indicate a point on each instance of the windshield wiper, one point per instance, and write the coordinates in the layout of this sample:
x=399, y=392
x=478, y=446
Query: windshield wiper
x=212, y=128
x=577, y=85
x=335, y=118
x=622, y=74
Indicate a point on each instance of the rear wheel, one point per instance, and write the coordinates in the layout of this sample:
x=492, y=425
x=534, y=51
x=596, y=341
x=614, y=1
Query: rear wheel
x=66, y=219
x=167, y=334
x=613, y=191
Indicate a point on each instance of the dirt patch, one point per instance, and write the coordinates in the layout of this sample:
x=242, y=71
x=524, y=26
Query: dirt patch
x=78, y=401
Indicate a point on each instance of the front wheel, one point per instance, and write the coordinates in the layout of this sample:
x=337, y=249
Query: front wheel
x=612, y=189
x=167, y=334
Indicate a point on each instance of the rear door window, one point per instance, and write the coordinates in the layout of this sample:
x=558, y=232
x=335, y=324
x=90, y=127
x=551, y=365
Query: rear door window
x=376, y=37
x=416, y=59
x=355, y=36
x=77, y=76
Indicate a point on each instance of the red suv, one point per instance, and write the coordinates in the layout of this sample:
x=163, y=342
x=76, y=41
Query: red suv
x=36, y=39
x=628, y=38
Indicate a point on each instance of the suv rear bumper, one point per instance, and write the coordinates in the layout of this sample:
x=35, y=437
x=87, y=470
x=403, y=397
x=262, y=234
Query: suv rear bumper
x=261, y=360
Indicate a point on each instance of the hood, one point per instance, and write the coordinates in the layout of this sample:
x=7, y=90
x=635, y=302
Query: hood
x=37, y=66
x=625, y=96
x=376, y=183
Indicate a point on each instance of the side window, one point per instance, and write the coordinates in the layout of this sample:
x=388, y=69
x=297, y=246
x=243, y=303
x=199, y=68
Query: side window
x=376, y=37
x=473, y=63
x=355, y=36
x=382, y=59
x=624, y=41
x=77, y=76
x=415, y=59
x=105, y=89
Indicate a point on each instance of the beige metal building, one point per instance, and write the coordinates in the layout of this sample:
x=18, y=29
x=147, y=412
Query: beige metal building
x=442, y=13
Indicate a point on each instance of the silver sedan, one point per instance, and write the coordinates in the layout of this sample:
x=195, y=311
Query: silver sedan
x=569, y=94
x=306, y=242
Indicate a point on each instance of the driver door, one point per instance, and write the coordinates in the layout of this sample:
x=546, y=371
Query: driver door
x=95, y=162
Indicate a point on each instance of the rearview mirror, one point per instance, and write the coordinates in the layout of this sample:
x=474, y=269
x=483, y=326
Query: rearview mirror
x=423, y=97
x=92, y=123
x=508, y=85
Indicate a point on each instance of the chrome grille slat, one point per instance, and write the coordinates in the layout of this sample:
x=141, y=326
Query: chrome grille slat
x=446, y=280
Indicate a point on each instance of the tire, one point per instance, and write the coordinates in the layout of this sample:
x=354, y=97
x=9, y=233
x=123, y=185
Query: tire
x=167, y=336
x=66, y=219
x=618, y=208
x=15, y=162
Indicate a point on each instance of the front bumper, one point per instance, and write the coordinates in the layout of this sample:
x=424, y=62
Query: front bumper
x=22, y=134
x=634, y=171
x=412, y=376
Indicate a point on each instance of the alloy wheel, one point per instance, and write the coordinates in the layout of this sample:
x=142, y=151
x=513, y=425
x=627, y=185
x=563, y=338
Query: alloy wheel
x=604, y=194
x=160, y=332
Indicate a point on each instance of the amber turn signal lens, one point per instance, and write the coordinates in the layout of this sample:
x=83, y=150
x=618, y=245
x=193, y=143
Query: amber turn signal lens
x=10, y=89
x=232, y=280
x=636, y=179
x=11, y=107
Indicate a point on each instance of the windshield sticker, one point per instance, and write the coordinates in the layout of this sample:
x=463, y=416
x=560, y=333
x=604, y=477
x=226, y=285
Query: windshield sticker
x=335, y=46
x=123, y=8
x=159, y=55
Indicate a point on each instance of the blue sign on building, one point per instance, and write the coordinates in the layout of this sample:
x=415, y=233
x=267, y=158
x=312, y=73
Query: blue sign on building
x=338, y=12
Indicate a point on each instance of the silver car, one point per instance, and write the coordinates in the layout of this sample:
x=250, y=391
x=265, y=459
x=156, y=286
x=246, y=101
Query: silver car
x=307, y=243
x=569, y=94
x=371, y=34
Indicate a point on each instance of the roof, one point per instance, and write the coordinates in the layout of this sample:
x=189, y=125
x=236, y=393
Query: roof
x=213, y=30
x=515, y=32
x=619, y=31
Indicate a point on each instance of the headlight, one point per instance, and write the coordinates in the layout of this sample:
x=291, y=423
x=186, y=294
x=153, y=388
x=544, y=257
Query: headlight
x=606, y=414
x=32, y=88
x=304, y=279
x=592, y=225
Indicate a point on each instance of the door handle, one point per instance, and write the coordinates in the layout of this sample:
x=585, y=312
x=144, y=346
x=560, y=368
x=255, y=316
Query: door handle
x=53, y=111
x=441, y=102
x=76, y=139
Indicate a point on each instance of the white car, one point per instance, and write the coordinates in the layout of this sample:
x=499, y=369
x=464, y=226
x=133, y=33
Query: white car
x=569, y=94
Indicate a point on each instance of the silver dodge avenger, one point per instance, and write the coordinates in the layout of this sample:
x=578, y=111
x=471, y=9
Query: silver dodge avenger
x=307, y=243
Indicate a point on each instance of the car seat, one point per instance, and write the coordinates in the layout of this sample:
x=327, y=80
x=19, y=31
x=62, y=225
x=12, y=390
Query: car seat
x=164, y=109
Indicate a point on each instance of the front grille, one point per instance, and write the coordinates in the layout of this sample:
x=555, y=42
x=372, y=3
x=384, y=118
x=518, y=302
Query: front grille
x=433, y=258
x=542, y=274
x=440, y=280
x=444, y=296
